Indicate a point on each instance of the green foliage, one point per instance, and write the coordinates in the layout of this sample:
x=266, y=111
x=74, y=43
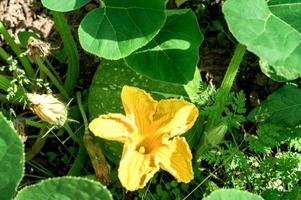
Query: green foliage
x=281, y=107
x=273, y=194
x=65, y=188
x=121, y=27
x=64, y=5
x=23, y=37
x=104, y=95
x=271, y=30
x=273, y=135
x=231, y=117
x=263, y=162
x=235, y=109
x=147, y=44
x=11, y=159
x=232, y=194
x=70, y=49
x=173, y=54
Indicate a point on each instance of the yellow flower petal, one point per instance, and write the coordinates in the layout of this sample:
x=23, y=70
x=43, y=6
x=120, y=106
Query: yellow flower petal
x=175, y=158
x=115, y=127
x=174, y=116
x=136, y=168
x=139, y=106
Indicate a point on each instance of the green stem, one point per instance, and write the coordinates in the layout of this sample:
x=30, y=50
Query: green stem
x=35, y=124
x=71, y=133
x=214, y=119
x=82, y=110
x=37, y=146
x=23, y=59
x=4, y=82
x=44, y=69
x=50, y=66
x=4, y=55
x=82, y=153
x=99, y=163
x=79, y=162
x=215, y=116
x=70, y=48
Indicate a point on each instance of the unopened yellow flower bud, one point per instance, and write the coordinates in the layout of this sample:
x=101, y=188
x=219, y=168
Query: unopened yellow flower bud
x=48, y=108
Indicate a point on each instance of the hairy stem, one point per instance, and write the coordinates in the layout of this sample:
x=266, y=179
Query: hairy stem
x=215, y=129
x=225, y=88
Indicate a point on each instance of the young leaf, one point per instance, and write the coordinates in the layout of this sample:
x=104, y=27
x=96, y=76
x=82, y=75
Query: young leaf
x=173, y=54
x=11, y=159
x=232, y=194
x=64, y=5
x=271, y=30
x=180, y=2
x=65, y=188
x=121, y=27
x=104, y=95
x=24, y=36
x=281, y=107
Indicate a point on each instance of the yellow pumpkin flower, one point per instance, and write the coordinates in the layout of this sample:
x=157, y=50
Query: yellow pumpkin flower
x=151, y=133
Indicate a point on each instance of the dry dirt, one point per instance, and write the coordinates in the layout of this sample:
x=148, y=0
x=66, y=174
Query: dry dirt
x=25, y=15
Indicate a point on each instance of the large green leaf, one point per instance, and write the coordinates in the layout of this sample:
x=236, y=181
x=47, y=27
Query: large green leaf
x=64, y=5
x=270, y=29
x=121, y=27
x=232, y=194
x=173, y=54
x=104, y=95
x=11, y=159
x=65, y=188
x=281, y=107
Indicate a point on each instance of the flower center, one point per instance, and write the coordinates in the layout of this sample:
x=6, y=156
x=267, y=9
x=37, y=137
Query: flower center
x=141, y=149
x=148, y=144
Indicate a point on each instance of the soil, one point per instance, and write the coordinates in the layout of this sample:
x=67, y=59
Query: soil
x=25, y=15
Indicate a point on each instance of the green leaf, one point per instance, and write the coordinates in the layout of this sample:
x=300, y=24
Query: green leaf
x=105, y=90
x=65, y=188
x=64, y=5
x=281, y=107
x=232, y=194
x=11, y=159
x=271, y=30
x=23, y=37
x=121, y=27
x=173, y=54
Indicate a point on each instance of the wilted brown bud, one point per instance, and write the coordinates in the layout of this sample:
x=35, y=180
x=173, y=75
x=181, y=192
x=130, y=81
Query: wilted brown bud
x=48, y=108
x=36, y=47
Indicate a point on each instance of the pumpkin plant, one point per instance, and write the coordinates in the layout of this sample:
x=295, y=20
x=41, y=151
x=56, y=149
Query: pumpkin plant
x=148, y=107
